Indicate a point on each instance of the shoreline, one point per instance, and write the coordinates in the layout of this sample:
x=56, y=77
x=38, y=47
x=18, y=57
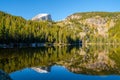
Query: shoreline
x=35, y=45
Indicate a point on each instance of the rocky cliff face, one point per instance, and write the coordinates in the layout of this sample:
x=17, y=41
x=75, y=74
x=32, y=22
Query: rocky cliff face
x=92, y=24
x=4, y=76
x=42, y=17
x=101, y=23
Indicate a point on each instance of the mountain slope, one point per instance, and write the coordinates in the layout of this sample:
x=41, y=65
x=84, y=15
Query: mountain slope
x=17, y=30
x=94, y=26
x=89, y=27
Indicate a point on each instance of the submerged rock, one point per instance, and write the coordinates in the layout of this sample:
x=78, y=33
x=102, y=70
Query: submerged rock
x=4, y=76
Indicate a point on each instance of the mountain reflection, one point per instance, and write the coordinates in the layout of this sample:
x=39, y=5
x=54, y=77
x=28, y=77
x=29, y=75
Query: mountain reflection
x=92, y=60
x=42, y=69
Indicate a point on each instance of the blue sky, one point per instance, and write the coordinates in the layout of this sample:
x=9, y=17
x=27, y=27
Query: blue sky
x=59, y=9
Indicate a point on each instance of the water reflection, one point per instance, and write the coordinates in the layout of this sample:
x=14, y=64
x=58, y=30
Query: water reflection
x=89, y=60
x=42, y=69
x=57, y=73
x=95, y=60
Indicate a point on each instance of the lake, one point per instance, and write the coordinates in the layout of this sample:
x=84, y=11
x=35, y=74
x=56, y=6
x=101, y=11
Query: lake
x=96, y=62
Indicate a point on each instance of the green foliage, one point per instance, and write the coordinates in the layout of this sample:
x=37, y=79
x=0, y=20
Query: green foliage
x=114, y=33
x=93, y=14
x=15, y=29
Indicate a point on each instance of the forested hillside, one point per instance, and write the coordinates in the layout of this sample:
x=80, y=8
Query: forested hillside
x=89, y=27
x=15, y=29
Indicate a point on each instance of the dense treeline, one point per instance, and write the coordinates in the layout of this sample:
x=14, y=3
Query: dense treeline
x=90, y=27
x=18, y=30
x=102, y=14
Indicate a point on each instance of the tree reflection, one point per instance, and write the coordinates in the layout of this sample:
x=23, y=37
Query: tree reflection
x=88, y=60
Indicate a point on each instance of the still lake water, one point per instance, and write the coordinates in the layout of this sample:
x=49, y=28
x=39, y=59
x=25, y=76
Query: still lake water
x=61, y=63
